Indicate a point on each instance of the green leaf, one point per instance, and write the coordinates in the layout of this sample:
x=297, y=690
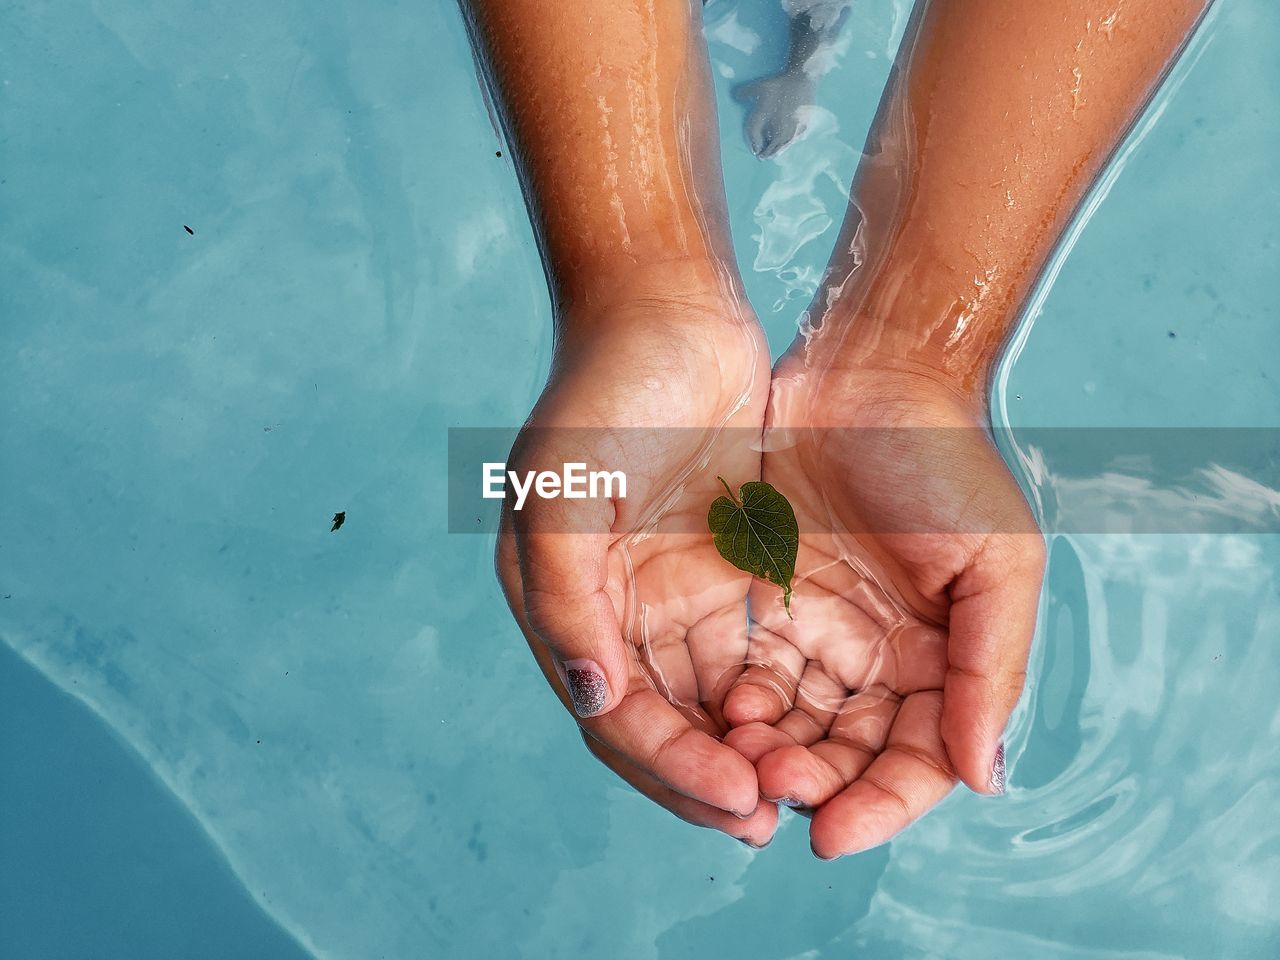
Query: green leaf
x=758, y=534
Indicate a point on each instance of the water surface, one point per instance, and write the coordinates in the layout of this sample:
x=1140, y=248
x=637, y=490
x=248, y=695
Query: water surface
x=351, y=718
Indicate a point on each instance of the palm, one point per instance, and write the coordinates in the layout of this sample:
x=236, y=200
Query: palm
x=671, y=418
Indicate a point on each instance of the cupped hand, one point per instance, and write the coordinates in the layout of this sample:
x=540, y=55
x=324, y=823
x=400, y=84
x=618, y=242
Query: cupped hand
x=915, y=597
x=636, y=621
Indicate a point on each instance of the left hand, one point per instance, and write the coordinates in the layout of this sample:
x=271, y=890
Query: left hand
x=916, y=590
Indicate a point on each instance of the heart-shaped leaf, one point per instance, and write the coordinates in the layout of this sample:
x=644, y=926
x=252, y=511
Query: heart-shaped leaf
x=758, y=534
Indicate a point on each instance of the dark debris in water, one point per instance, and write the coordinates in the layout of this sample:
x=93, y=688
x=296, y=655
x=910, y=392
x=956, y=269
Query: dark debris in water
x=339, y=519
x=188, y=229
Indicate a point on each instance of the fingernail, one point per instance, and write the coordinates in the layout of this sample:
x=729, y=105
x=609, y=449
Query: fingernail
x=588, y=688
x=997, y=770
x=754, y=846
x=790, y=802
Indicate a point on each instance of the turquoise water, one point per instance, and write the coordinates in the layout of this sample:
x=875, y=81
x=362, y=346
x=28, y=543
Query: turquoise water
x=242, y=726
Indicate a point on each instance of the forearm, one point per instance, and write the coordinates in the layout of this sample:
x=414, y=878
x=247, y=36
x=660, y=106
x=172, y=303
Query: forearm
x=609, y=111
x=999, y=119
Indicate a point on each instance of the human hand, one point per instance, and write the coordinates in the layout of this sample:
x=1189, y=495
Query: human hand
x=635, y=620
x=931, y=270
x=779, y=110
x=915, y=598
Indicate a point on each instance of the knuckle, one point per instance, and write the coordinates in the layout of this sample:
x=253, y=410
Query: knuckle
x=544, y=610
x=655, y=755
x=888, y=790
x=935, y=760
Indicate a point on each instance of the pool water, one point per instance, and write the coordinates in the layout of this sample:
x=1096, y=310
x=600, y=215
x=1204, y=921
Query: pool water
x=228, y=731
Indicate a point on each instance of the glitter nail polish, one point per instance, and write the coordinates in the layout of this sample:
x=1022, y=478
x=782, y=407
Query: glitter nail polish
x=587, y=686
x=997, y=770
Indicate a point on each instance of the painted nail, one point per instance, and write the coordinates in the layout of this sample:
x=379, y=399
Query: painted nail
x=997, y=770
x=587, y=686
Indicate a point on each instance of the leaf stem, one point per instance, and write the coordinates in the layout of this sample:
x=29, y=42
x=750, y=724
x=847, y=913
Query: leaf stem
x=729, y=491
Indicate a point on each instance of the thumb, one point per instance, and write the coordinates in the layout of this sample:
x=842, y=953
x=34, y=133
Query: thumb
x=993, y=618
x=747, y=91
x=563, y=561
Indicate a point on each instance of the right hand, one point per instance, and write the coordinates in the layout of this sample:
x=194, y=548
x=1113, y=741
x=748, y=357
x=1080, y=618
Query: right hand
x=650, y=379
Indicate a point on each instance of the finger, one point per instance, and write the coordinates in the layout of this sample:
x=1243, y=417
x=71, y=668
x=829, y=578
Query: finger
x=801, y=727
x=766, y=138
x=717, y=646
x=913, y=657
x=766, y=689
x=653, y=735
x=861, y=637
x=755, y=740
x=819, y=696
x=562, y=547
x=909, y=777
x=645, y=729
x=809, y=777
x=993, y=618
x=508, y=569
x=746, y=91
x=756, y=129
x=776, y=139
x=666, y=660
x=756, y=830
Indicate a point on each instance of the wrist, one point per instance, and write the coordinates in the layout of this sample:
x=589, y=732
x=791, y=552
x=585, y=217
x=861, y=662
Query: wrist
x=897, y=353
x=692, y=291
x=880, y=368
x=919, y=320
